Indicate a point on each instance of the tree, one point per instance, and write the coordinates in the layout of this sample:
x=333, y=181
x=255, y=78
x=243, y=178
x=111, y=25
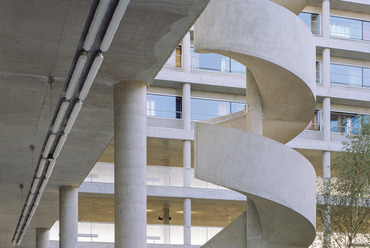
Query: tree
x=345, y=208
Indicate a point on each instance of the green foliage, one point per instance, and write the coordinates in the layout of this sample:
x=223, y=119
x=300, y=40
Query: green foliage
x=348, y=200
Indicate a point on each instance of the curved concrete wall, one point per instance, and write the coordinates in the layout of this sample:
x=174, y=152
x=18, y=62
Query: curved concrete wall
x=277, y=47
x=278, y=50
x=262, y=169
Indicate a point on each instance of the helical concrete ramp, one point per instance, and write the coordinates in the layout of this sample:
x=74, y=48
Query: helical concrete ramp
x=245, y=151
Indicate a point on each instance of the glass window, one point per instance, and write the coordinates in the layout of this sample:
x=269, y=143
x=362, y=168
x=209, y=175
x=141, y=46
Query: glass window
x=163, y=106
x=175, y=59
x=237, y=106
x=346, y=75
x=366, y=31
x=345, y=28
x=312, y=20
x=366, y=77
x=215, y=62
x=203, y=109
x=236, y=67
x=318, y=72
x=212, y=61
x=344, y=122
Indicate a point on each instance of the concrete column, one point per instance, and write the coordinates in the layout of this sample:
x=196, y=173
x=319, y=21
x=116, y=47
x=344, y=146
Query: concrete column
x=186, y=53
x=254, y=115
x=326, y=178
x=326, y=119
x=166, y=221
x=42, y=237
x=326, y=164
x=187, y=163
x=166, y=215
x=326, y=18
x=186, y=111
x=326, y=67
x=68, y=216
x=130, y=164
x=187, y=221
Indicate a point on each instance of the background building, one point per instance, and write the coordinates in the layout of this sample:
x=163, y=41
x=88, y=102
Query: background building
x=182, y=210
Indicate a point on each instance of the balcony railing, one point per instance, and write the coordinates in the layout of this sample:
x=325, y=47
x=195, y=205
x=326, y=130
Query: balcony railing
x=347, y=28
x=156, y=176
x=313, y=127
x=174, y=61
x=95, y=232
x=345, y=75
x=348, y=79
x=215, y=62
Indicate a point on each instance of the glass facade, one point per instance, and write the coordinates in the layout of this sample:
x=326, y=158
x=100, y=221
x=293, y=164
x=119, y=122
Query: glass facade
x=216, y=62
x=203, y=109
x=346, y=75
x=166, y=106
x=312, y=20
x=349, y=75
x=163, y=106
x=366, y=77
x=346, y=122
x=349, y=28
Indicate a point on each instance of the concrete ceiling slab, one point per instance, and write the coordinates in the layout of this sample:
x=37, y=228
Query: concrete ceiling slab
x=40, y=39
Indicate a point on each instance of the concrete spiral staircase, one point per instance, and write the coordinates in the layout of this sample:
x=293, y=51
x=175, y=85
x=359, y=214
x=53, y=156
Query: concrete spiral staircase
x=245, y=151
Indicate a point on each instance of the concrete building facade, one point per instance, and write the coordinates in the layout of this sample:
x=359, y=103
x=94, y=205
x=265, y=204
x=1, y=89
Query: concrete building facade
x=127, y=166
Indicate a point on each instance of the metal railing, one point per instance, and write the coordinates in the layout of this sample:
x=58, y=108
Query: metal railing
x=175, y=61
x=344, y=129
x=313, y=126
x=349, y=79
x=338, y=30
x=223, y=64
x=163, y=113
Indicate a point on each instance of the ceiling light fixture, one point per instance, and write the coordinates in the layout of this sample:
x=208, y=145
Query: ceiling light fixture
x=29, y=199
x=41, y=167
x=50, y=168
x=60, y=116
x=76, y=75
x=113, y=25
x=31, y=214
x=34, y=185
x=95, y=24
x=73, y=116
x=43, y=185
x=60, y=145
x=25, y=210
x=91, y=76
x=38, y=198
x=48, y=145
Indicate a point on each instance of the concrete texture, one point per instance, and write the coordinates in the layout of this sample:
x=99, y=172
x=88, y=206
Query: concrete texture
x=232, y=236
x=43, y=42
x=282, y=62
x=42, y=237
x=283, y=190
x=279, y=182
x=130, y=164
x=68, y=216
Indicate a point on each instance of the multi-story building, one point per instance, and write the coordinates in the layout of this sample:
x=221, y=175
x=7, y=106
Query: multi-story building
x=183, y=211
